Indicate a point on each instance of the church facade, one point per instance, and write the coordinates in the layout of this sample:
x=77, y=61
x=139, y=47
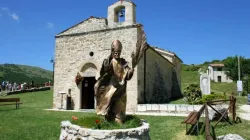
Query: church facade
x=83, y=47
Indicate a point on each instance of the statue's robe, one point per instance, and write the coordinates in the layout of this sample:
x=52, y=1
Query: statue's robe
x=110, y=88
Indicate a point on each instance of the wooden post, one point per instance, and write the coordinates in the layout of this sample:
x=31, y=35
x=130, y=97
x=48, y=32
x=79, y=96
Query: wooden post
x=207, y=124
x=233, y=107
x=231, y=104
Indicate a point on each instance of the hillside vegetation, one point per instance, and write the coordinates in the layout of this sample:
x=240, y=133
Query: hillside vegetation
x=23, y=73
x=190, y=75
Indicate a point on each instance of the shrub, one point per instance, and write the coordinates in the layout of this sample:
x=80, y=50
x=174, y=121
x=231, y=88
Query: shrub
x=192, y=94
x=212, y=97
x=98, y=122
x=244, y=93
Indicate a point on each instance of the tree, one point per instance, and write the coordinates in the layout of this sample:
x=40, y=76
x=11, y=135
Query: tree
x=231, y=67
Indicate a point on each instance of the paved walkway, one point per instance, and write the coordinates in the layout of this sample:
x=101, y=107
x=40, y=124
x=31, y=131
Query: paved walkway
x=244, y=112
x=129, y=113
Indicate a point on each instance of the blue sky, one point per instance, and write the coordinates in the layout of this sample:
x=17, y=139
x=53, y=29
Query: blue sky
x=196, y=30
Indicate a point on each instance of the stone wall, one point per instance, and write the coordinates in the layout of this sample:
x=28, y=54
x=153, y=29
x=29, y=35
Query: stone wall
x=75, y=132
x=178, y=70
x=173, y=108
x=173, y=58
x=141, y=82
x=158, y=78
x=29, y=90
x=88, y=25
x=72, y=53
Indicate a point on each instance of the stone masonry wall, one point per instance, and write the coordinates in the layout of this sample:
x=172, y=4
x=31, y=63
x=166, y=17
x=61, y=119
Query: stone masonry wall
x=72, y=53
x=158, y=78
x=88, y=25
x=74, y=132
x=140, y=77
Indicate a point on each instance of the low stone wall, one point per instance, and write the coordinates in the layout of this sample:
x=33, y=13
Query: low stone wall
x=74, y=132
x=171, y=108
x=28, y=90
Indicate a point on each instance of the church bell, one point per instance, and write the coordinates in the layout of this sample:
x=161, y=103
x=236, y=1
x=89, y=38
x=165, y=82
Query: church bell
x=121, y=13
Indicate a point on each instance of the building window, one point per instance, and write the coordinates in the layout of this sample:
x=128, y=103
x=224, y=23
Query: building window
x=91, y=53
x=219, y=69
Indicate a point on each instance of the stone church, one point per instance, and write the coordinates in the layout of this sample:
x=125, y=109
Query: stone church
x=83, y=47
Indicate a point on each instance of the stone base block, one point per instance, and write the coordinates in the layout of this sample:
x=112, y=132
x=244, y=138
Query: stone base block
x=73, y=132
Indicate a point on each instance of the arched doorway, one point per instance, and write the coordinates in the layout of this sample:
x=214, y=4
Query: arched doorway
x=87, y=97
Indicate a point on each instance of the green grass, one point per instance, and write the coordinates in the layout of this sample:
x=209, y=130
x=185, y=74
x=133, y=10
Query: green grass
x=241, y=129
x=177, y=101
x=32, y=122
x=193, y=77
x=228, y=88
x=1, y=74
x=189, y=77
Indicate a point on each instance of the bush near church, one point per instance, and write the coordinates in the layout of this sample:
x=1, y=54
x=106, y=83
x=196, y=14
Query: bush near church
x=212, y=97
x=192, y=94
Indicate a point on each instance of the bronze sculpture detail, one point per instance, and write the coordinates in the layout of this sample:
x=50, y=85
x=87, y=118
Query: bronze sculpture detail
x=110, y=88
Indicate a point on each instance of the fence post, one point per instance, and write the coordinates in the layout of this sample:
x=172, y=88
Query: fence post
x=230, y=104
x=233, y=107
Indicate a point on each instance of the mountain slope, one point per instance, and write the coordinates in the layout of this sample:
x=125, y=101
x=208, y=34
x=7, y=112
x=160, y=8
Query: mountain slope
x=23, y=73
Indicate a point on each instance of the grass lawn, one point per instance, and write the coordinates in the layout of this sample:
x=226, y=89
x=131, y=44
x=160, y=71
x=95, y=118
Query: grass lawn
x=224, y=87
x=189, y=77
x=31, y=122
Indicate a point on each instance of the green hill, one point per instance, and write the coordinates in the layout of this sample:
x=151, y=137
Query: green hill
x=23, y=73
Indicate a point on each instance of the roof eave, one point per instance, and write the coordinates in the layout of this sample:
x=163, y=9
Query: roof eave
x=78, y=24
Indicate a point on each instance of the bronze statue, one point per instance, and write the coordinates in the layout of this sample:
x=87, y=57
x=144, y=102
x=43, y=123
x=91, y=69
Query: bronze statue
x=110, y=88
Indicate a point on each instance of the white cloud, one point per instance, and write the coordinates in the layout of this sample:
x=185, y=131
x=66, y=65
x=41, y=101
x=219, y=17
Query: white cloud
x=15, y=16
x=49, y=25
x=9, y=13
x=4, y=9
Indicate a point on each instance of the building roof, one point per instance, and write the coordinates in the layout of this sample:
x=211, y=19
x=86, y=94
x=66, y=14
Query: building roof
x=80, y=23
x=216, y=65
x=168, y=52
x=130, y=1
x=153, y=49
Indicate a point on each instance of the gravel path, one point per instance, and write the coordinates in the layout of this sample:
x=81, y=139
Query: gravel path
x=244, y=112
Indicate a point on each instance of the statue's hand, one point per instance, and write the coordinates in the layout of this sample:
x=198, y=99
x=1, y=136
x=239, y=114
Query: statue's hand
x=133, y=60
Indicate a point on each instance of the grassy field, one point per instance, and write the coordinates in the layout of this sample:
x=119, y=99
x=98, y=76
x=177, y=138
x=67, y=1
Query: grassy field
x=32, y=122
x=193, y=77
x=189, y=77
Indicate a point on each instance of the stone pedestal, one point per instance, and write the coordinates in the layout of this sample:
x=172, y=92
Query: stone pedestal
x=74, y=132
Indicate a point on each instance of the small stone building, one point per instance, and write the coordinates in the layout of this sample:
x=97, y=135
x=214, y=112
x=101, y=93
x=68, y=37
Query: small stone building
x=217, y=73
x=83, y=47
